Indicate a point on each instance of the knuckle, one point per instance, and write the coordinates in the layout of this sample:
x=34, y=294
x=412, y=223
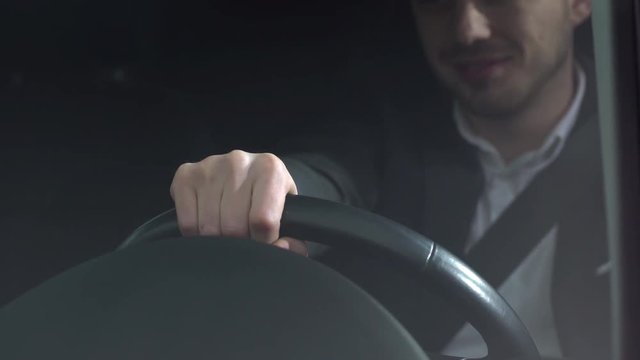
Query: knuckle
x=270, y=165
x=198, y=173
x=237, y=155
x=184, y=170
x=182, y=178
x=236, y=160
x=264, y=222
x=187, y=173
x=270, y=162
x=209, y=161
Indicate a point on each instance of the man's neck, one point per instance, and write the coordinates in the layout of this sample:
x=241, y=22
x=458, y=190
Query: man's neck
x=527, y=129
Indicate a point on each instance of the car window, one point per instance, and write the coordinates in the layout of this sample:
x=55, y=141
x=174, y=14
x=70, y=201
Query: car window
x=617, y=62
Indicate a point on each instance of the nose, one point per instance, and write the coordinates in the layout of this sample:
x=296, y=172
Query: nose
x=471, y=23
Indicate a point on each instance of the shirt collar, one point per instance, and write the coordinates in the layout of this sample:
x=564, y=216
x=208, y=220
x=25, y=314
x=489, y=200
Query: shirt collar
x=545, y=154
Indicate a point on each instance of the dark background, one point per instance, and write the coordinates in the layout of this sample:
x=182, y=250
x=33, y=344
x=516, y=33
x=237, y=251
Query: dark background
x=100, y=102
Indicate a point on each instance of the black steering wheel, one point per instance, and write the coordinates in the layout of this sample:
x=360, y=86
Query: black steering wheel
x=235, y=299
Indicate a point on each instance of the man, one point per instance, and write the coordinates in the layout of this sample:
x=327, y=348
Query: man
x=474, y=176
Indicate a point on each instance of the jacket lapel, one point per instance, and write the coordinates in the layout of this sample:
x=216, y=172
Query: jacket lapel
x=453, y=184
x=440, y=180
x=451, y=193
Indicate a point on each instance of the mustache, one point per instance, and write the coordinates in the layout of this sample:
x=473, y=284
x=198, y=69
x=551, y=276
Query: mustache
x=481, y=49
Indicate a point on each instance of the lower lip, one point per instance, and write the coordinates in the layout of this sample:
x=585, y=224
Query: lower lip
x=481, y=70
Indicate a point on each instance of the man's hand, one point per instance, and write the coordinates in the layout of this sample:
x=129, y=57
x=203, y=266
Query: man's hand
x=238, y=194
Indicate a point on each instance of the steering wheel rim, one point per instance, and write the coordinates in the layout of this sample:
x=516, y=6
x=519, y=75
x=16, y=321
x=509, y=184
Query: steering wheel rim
x=341, y=225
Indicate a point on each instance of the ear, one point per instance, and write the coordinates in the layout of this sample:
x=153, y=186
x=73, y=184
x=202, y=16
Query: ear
x=580, y=11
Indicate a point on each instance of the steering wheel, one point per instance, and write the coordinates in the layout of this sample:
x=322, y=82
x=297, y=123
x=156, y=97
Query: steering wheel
x=240, y=299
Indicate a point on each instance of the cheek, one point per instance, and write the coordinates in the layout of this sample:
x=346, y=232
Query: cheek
x=542, y=30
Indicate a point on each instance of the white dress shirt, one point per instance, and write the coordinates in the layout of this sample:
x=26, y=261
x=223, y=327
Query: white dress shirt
x=528, y=288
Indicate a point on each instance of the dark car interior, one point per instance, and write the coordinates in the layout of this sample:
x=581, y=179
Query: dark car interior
x=101, y=101
x=104, y=101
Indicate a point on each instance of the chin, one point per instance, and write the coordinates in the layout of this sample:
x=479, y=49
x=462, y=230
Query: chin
x=497, y=101
x=489, y=102
x=492, y=107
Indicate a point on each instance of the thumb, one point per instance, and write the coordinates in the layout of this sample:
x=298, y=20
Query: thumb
x=295, y=245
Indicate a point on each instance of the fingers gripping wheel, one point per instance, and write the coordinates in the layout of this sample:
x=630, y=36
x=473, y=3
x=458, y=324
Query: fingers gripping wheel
x=340, y=225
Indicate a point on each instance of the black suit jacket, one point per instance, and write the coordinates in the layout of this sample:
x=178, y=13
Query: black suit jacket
x=417, y=170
